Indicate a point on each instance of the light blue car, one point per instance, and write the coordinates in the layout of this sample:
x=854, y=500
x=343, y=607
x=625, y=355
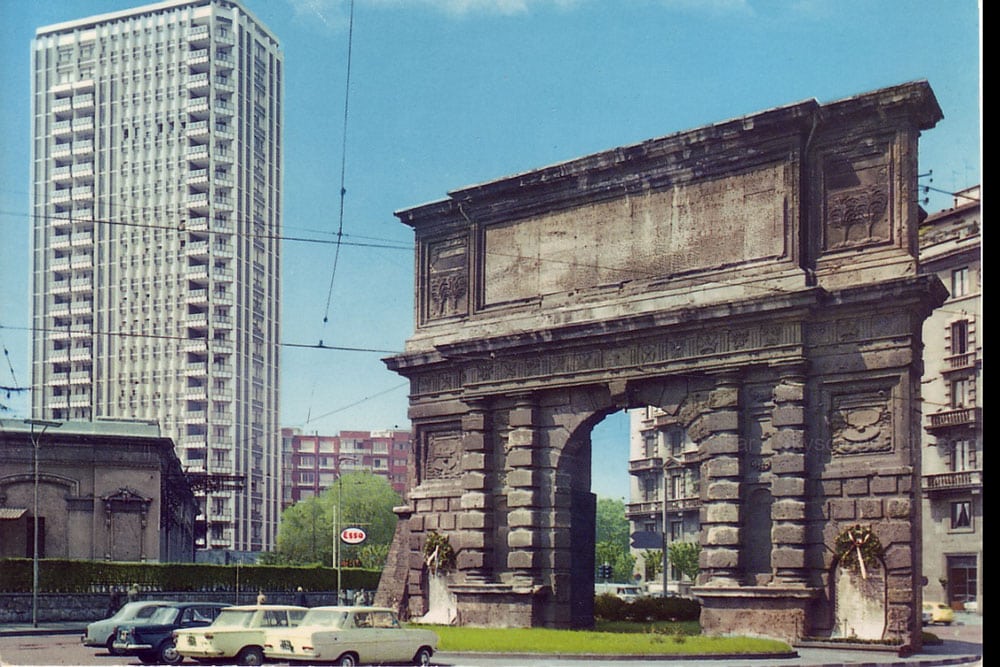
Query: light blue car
x=102, y=633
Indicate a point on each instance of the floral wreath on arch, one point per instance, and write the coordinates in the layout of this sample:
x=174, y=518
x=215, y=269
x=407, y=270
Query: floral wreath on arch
x=438, y=553
x=858, y=549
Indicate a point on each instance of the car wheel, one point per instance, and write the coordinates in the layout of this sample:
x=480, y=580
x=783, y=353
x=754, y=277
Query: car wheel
x=423, y=656
x=111, y=646
x=168, y=654
x=348, y=660
x=251, y=655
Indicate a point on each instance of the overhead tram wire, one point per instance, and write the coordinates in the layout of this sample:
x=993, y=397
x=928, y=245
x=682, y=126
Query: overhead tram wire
x=343, y=164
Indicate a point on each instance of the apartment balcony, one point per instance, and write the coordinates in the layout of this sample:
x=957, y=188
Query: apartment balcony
x=58, y=335
x=83, y=193
x=198, y=107
x=221, y=417
x=198, y=201
x=197, y=130
x=82, y=287
x=82, y=354
x=645, y=508
x=198, y=60
x=62, y=105
x=220, y=250
x=222, y=275
x=60, y=242
x=59, y=309
x=224, y=36
x=62, y=196
x=58, y=357
x=959, y=362
x=62, y=128
x=59, y=287
x=196, y=320
x=196, y=417
x=222, y=322
x=224, y=62
x=196, y=368
x=198, y=82
x=85, y=147
x=197, y=272
x=84, y=213
x=224, y=156
x=226, y=83
x=197, y=223
x=79, y=400
x=81, y=261
x=83, y=170
x=198, y=35
x=683, y=504
x=83, y=239
x=197, y=154
x=84, y=126
x=60, y=263
x=222, y=108
x=197, y=297
x=961, y=417
x=195, y=345
x=638, y=466
x=83, y=101
x=222, y=370
x=196, y=393
x=223, y=203
x=80, y=377
x=84, y=307
x=222, y=346
x=965, y=480
x=62, y=174
x=196, y=249
x=223, y=179
x=198, y=177
x=61, y=220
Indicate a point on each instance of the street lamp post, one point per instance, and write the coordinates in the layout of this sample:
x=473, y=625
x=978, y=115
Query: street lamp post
x=34, y=511
x=336, y=517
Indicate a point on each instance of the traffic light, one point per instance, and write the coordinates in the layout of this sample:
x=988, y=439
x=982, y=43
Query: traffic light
x=604, y=571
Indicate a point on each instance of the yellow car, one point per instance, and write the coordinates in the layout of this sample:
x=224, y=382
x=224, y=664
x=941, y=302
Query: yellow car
x=937, y=612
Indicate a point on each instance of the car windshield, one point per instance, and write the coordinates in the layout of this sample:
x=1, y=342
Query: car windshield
x=164, y=616
x=234, y=618
x=325, y=617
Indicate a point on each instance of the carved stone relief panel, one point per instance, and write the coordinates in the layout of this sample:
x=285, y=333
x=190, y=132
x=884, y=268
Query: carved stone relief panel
x=442, y=455
x=857, y=201
x=446, y=279
x=861, y=422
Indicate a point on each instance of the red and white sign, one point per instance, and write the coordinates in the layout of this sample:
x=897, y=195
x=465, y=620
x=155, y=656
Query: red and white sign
x=352, y=536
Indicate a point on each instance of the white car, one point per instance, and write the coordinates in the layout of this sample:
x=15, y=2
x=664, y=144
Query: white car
x=236, y=636
x=350, y=636
x=102, y=633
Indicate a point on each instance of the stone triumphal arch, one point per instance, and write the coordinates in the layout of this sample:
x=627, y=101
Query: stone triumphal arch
x=756, y=279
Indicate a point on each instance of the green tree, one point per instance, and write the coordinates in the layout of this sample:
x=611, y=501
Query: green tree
x=365, y=500
x=653, y=561
x=684, y=556
x=612, y=546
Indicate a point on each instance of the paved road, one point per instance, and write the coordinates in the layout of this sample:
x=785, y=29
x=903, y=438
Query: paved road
x=59, y=644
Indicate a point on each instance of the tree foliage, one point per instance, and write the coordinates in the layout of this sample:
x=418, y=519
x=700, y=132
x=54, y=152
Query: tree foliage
x=613, y=539
x=684, y=556
x=363, y=499
x=653, y=561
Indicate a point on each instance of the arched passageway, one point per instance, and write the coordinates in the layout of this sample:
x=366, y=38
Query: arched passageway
x=755, y=280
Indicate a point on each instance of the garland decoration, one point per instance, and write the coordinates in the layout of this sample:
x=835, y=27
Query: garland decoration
x=438, y=553
x=859, y=550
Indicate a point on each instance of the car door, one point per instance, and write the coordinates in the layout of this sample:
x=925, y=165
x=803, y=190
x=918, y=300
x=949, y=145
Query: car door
x=391, y=642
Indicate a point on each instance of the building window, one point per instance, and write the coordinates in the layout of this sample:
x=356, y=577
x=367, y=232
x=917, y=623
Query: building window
x=960, y=282
x=963, y=456
x=959, y=394
x=961, y=514
x=959, y=337
x=649, y=443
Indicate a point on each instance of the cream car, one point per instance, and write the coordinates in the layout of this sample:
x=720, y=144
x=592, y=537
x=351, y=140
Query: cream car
x=237, y=634
x=350, y=636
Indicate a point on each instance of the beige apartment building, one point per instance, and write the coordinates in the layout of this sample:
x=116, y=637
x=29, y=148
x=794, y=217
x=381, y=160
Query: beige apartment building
x=156, y=208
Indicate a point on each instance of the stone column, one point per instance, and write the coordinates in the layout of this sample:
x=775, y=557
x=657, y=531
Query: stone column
x=524, y=558
x=788, y=484
x=718, y=431
x=475, y=522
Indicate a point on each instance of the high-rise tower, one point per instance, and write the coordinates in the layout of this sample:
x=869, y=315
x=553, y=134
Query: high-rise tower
x=156, y=201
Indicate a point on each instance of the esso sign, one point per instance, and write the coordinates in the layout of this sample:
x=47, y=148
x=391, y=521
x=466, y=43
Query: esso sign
x=352, y=536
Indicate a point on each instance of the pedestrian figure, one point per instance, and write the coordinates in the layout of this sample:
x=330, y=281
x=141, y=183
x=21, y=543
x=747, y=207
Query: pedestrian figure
x=261, y=598
x=359, y=598
x=133, y=593
x=114, y=601
x=300, y=597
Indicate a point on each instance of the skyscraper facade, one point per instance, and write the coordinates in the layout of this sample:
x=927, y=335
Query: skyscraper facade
x=156, y=207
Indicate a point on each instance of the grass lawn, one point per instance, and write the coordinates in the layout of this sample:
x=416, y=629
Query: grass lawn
x=609, y=639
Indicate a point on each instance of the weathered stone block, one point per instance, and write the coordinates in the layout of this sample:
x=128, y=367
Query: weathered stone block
x=721, y=444
x=521, y=517
x=857, y=486
x=788, y=510
x=440, y=504
x=521, y=458
x=788, y=439
x=474, y=461
x=899, y=556
x=869, y=508
x=448, y=521
x=721, y=420
x=832, y=488
x=471, y=540
x=722, y=466
x=522, y=539
x=719, y=557
x=472, y=520
x=895, y=532
x=473, y=442
x=788, y=534
x=473, y=500
x=722, y=513
x=788, y=464
x=725, y=397
x=724, y=491
x=522, y=498
x=785, y=556
x=789, y=392
x=522, y=560
x=522, y=478
x=473, y=421
x=522, y=416
x=883, y=485
x=723, y=535
x=788, y=415
x=898, y=508
x=469, y=560
x=788, y=486
x=842, y=509
x=473, y=480
x=521, y=437
x=899, y=595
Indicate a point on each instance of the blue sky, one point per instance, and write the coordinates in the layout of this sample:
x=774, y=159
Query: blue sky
x=447, y=93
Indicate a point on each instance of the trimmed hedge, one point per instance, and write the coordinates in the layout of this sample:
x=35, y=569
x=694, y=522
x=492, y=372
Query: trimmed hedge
x=86, y=576
x=609, y=607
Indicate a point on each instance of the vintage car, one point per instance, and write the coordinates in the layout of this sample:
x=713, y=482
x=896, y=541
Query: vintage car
x=937, y=612
x=102, y=633
x=237, y=634
x=349, y=636
x=152, y=640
